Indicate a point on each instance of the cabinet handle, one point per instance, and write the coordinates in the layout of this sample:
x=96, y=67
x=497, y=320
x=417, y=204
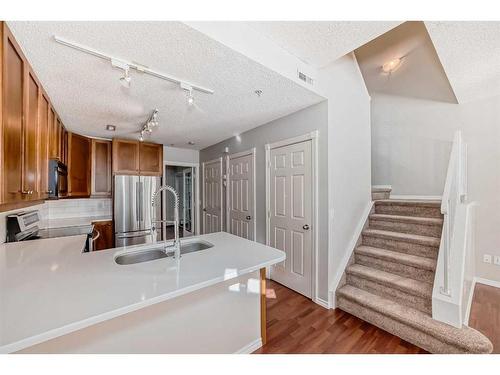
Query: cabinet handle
x=25, y=191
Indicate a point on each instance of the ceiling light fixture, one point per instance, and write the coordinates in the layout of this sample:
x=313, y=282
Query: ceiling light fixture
x=189, y=92
x=125, y=80
x=191, y=143
x=151, y=124
x=392, y=65
x=123, y=64
x=110, y=128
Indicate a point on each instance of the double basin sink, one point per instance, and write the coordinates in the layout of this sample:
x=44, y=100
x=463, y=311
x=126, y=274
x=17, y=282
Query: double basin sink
x=157, y=252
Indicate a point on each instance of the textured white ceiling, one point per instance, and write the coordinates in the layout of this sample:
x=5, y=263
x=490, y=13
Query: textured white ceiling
x=321, y=42
x=420, y=74
x=470, y=54
x=87, y=94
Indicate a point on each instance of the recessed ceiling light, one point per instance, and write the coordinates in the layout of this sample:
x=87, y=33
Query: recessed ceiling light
x=258, y=93
x=391, y=65
x=111, y=128
x=191, y=143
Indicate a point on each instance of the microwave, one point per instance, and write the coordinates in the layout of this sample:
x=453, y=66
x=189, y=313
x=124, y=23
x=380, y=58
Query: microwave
x=58, y=179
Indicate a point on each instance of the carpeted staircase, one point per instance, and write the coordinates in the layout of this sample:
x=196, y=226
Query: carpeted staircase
x=390, y=277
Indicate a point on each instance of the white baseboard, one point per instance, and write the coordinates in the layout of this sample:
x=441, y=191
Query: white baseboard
x=350, y=250
x=322, y=303
x=418, y=197
x=489, y=282
x=250, y=348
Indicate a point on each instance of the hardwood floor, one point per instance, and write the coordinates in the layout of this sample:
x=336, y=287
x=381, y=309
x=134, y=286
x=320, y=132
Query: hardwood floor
x=295, y=325
x=485, y=313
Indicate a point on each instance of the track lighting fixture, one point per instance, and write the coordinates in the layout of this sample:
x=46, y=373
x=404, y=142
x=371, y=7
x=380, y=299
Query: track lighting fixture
x=189, y=93
x=125, y=80
x=151, y=124
x=127, y=65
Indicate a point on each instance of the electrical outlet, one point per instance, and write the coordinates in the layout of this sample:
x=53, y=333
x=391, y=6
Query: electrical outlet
x=486, y=258
x=496, y=260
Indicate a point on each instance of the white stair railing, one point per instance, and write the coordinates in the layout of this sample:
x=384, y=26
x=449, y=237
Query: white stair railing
x=455, y=192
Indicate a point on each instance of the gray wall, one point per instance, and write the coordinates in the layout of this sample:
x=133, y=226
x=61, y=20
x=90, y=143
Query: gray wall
x=411, y=143
x=298, y=123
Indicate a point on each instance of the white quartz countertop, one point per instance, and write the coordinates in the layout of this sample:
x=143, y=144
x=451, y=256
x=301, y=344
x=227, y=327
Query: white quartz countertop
x=49, y=288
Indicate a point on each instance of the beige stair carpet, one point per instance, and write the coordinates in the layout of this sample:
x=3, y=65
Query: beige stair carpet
x=389, y=282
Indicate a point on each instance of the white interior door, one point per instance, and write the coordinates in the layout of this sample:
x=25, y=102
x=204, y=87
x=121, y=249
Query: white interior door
x=290, y=216
x=241, y=215
x=212, y=196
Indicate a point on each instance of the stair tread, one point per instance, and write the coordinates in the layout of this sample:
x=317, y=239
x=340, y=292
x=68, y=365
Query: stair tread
x=408, y=219
x=467, y=338
x=404, y=284
x=407, y=237
x=397, y=257
x=409, y=202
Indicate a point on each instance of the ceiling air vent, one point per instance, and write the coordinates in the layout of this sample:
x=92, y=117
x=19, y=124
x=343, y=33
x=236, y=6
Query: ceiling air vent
x=305, y=78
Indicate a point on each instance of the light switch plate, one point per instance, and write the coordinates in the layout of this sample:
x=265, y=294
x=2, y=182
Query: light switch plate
x=496, y=260
x=486, y=258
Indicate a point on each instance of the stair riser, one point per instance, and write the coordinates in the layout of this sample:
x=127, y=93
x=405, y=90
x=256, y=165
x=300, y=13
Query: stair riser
x=419, y=211
x=396, y=295
x=377, y=195
x=410, y=228
x=397, y=268
x=401, y=246
x=412, y=335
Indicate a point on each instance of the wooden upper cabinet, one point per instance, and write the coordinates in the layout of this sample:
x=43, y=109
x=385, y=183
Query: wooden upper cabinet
x=137, y=158
x=64, y=144
x=53, y=136
x=79, y=153
x=150, y=159
x=125, y=156
x=30, y=149
x=43, y=146
x=101, y=168
x=13, y=74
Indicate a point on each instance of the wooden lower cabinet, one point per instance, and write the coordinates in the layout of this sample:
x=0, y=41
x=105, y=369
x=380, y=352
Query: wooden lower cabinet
x=103, y=234
x=79, y=154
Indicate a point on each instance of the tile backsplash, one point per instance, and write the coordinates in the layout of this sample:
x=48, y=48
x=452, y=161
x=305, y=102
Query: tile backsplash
x=62, y=209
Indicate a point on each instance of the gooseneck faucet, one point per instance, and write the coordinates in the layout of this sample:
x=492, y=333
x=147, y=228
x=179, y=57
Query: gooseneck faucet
x=176, y=247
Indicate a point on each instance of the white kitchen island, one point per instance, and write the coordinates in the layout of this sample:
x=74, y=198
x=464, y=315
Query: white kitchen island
x=54, y=299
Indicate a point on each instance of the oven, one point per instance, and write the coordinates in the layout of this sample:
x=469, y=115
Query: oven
x=58, y=179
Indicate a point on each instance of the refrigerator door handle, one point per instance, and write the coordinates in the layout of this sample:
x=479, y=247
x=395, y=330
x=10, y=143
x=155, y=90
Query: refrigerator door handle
x=137, y=202
x=141, y=200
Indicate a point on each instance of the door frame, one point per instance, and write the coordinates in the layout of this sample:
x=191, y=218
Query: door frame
x=197, y=203
x=219, y=159
x=313, y=137
x=251, y=152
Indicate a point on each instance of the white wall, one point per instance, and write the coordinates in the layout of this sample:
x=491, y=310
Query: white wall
x=410, y=151
x=349, y=156
x=183, y=155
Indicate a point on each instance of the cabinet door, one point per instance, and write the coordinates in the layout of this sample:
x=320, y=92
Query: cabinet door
x=30, y=146
x=125, y=156
x=43, y=146
x=79, y=149
x=103, y=234
x=150, y=159
x=101, y=168
x=52, y=133
x=13, y=84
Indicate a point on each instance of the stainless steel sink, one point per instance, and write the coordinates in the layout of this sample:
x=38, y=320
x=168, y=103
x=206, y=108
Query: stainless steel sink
x=158, y=252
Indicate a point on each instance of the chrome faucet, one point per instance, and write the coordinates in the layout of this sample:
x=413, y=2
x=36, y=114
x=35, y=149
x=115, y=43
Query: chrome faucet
x=176, y=247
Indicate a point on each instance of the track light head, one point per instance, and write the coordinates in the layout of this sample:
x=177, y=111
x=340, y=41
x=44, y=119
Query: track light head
x=126, y=79
x=190, y=99
x=189, y=93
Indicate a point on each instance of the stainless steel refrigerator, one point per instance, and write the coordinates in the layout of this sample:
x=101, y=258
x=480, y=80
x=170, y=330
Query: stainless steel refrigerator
x=132, y=209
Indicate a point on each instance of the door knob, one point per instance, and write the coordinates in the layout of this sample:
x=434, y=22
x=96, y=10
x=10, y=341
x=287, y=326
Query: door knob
x=249, y=217
x=305, y=227
x=204, y=210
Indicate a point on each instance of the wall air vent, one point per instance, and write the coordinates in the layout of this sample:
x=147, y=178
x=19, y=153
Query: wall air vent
x=305, y=78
